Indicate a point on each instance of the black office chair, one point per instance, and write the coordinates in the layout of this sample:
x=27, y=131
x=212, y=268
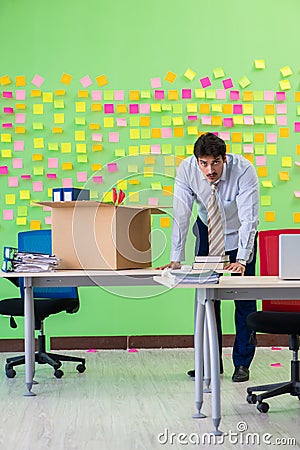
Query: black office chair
x=276, y=317
x=47, y=301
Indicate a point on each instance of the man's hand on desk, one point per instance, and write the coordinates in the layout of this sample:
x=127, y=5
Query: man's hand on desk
x=171, y=265
x=236, y=267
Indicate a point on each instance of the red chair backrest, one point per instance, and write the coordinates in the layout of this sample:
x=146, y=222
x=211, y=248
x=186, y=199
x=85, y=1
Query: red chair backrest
x=269, y=265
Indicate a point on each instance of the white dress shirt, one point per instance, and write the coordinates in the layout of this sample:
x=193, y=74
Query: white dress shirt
x=238, y=198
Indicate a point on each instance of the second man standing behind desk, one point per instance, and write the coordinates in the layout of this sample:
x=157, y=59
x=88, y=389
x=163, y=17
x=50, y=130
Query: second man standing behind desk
x=237, y=192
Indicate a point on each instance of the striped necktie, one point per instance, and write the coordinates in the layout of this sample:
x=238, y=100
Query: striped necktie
x=214, y=222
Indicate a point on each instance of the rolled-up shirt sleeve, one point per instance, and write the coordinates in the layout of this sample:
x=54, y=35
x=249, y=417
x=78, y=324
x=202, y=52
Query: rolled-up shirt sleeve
x=182, y=208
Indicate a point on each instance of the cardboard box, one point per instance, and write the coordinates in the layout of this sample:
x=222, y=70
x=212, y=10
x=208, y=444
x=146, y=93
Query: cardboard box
x=95, y=235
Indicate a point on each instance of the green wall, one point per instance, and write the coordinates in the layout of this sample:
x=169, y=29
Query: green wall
x=130, y=43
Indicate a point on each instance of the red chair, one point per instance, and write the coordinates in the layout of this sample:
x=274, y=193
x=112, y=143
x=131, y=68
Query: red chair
x=276, y=317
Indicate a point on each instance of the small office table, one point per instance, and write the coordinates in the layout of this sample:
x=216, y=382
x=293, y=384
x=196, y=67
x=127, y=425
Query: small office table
x=71, y=278
x=228, y=288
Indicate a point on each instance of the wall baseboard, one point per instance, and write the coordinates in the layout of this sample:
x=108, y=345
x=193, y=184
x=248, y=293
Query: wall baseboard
x=124, y=342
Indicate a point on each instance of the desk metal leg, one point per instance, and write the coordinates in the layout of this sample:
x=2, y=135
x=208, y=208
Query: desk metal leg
x=198, y=344
x=206, y=352
x=29, y=334
x=215, y=364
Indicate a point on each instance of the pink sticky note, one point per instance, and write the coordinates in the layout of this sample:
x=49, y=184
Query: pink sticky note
x=159, y=94
x=269, y=96
x=97, y=137
x=19, y=146
x=221, y=94
x=205, y=82
x=17, y=163
x=91, y=350
x=134, y=108
x=297, y=193
x=237, y=109
x=275, y=348
x=97, y=179
x=206, y=120
x=248, y=120
x=8, y=214
x=155, y=83
x=7, y=94
x=225, y=135
x=155, y=149
x=67, y=182
x=297, y=127
x=153, y=201
x=37, y=186
x=121, y=122
x=271, y=138
x=86, y=81
x=7, y=125
x=276, y=364
x=37, y=80
x=113, y=136
x=109, y=108
x=81, y=177
x=280, y=96
x=96, y=95
x=248, y=148
x=228, y=122
x=13, y=181
x=8, y=110
x=26, y=176
x=144, y=108
x=48, y=220
x=132, y=350
x=166, y=132
x=51, y=176
x=119, y=95
x=192, y=118
x=234, y=95
x=20, y=118
x=281, y=120
x=186, y=93
x=20, y=94
x=227, y=84
x=281, y=108
x=112, y=167
x=52, y=163
x=260, y=160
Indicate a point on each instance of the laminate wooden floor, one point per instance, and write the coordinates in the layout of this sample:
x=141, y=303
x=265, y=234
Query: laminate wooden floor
x=128, y=400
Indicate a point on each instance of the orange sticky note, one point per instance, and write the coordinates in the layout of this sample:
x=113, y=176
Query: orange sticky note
x=284, y=176
x=259, y=137
x=36, y=93
x=204, y=108
x=173, y=94
x=57, y=130
x=37, y=157
x=20, y=130
x=227, y=109
x=96, y=107
x=66, y=78
x=35, y=224
x=60, y=92
x=297, y=96
x=262, y=171
x=96, y=167
x=144, y=121
x=5, y=80
x=167, y=190
x=270, y=216
x=297, y=217
x=165, y=222
x=170, y=77
x=94, y=126
x=270, y=109
x=67, y=166
x=97, y=147
x=178, y=132
x=101, y=80
x=156, y=133
x=134, y=95
x=83, y=94
x=20, y=80
x=236, y=137
x=121, y=109
x=20, y=106
x=284, y=132
x=247, y=96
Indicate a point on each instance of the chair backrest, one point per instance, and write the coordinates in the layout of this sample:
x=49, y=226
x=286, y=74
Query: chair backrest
x=39, y=241
x=269, y=265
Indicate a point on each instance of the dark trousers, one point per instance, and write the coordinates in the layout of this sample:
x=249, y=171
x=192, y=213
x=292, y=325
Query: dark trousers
x=243, y=351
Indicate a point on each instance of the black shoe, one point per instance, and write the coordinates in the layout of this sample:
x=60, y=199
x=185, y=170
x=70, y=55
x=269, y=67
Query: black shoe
x=191, y=373
x=241, y=373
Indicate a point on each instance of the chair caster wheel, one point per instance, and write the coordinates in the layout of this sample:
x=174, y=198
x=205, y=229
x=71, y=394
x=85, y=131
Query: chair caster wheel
x=10, y=372
x=251, y=398
x=81, y=368
x=58, y=373
x=263, y=407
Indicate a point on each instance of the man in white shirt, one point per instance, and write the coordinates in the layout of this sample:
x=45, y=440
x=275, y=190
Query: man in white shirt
x=237, y=193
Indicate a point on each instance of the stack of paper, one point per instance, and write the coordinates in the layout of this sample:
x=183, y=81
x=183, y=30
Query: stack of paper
x=15, y=261
x=211, y=262
x=194, y=277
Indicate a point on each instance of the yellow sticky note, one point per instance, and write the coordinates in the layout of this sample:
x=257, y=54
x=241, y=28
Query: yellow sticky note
x=38, y=170
x=107, y=197
x=80, y=148
x=38, y=108
x=37, y=157
x=271, y=149
x=244, y=82
x=286, y=161
x=82, y=159
x=10, y=199
x=22, y=211
x=248, y=108
x=155, y=107
x=170, y=77
x=286, y=71
x=80, y=106
x=267, y=183
x=35, y=224
x=101, y=80
x=219, y=72
x=148, y=172
x=122, y=184
x=133, y=150
x=79, y=135
x=270, y=216
x=145, y=149
x=133, y=197
x=21, y=221
x=66, y=78
x=192, y=108
x=284, y=85
x=119, y=152
x=67, y=166
x=59, y=104
x=47, y=97
x=134, y=133
x=156, y=186
x=25, y=194
x=6, y=153
x=108, y=122
x=216, y=107
x=38, y=143
x=80, y=121
x=265, y=200
x=270, y=120
x=193, y=131
x=177, y=121
x=52, y=145
x=165, y=222
x=189, y=149
x=169, y=172
x=59, y=118
x=38, y=125
x=5, y=137
x=259, y=64
x=132, y=168
x=200, y=93
x=149, y=160
x=66, y=147
x=190, y=74
x=284, y=176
